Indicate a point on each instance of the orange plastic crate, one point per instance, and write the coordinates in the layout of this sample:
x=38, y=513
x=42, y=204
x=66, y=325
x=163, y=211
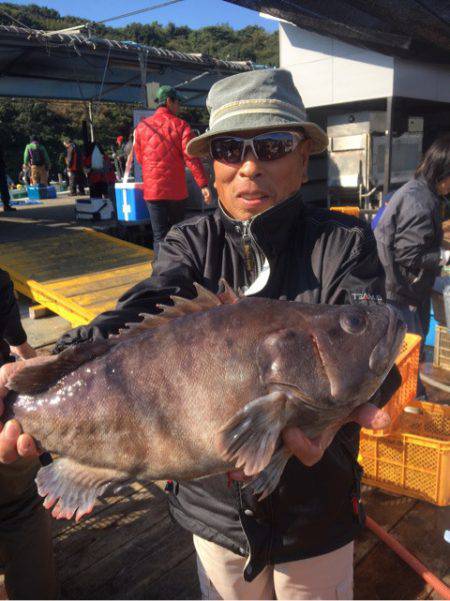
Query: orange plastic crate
x=355, y=211
x=415, y=459
x=408, y=366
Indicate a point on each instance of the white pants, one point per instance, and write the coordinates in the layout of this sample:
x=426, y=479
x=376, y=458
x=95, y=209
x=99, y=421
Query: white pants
x=328, y=576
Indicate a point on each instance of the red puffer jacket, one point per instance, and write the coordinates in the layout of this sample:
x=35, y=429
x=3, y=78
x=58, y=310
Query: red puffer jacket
x=160, y=146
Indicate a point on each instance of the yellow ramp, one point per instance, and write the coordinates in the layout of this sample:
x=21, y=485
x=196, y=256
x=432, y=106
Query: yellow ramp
x=76, y=273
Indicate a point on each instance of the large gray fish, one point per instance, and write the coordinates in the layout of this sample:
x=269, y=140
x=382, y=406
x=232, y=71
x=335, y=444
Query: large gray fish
x=204, y=387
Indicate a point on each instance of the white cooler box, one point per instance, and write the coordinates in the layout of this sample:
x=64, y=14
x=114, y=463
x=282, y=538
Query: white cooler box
x=94, y=209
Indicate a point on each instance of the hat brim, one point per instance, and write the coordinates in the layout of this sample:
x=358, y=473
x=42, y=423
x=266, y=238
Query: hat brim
x=199, y=146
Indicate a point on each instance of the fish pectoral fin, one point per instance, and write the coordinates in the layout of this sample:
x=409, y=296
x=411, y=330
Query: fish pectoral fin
x=266, y=481
x=250, y=437
x=71, y=487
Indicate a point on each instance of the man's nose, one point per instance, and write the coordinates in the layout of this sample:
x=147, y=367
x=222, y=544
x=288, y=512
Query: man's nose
x=250, y=166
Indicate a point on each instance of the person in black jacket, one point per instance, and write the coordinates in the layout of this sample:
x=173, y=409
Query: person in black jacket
x=409, y=237
x=298, y=542
x=4, y=191
x=74, y=164
x=26, y=550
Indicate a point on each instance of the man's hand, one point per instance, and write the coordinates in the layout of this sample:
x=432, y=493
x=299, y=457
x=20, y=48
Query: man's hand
x=310, y=450
x=14, y=443
x=24, y=351
x=206, y=195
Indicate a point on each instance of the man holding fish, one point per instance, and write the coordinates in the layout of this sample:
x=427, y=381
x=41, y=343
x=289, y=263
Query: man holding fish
x=295, y=540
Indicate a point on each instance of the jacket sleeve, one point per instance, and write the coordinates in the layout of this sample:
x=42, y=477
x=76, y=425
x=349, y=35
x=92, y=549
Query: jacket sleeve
x=173, y=274
x=352, y=272
x=415, y=238
x=10, y=326
x=137, y=145
x=69, y=157
x=26, y=154
x=194, y=164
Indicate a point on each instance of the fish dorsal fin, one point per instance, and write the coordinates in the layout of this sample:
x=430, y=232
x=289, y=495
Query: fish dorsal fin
x=181, y=306
x=228, y=296
x=40, y=373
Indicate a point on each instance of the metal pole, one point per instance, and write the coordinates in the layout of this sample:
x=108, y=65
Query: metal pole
x=143, y=68
x=91, y=121
x=388, y=148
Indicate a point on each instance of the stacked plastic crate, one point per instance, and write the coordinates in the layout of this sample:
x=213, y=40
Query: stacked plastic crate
x=412, y=457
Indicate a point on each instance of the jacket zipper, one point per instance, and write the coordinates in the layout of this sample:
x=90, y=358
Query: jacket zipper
x=252, y=254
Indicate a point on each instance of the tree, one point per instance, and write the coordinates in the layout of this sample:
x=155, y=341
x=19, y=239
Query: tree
x=54, y=119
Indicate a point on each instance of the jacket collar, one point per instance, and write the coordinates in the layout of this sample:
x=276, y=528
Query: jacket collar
x=269, y=229
x=163, y=110
x=424, y=182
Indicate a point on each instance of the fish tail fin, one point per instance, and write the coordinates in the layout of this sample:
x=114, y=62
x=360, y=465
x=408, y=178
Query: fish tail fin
x=266, y=481
x=39, y=373
x=250, y=437
x=72, y=488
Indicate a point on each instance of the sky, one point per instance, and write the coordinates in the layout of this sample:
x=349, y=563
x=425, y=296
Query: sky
x=194, y=13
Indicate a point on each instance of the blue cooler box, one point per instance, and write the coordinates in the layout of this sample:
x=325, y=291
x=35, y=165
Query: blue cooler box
x=131, y=206
x=38, y=191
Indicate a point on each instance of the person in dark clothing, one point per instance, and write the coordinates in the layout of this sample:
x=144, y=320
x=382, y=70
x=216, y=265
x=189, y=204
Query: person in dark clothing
x=4, y=192
x=119, y=158
x=101, y=176
x=298, y=542
x=26, y=551
x=409, y=237
x=74, y=163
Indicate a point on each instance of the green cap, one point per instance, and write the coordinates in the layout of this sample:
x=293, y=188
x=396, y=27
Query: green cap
x=166, y=92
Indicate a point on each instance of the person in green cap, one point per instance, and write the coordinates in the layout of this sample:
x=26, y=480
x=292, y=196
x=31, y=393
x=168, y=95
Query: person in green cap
x=160, y=143
x=297, y=543
x=36, y=158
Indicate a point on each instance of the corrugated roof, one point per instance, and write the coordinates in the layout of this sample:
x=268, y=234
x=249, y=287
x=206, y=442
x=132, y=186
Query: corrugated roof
x=415, y=29
x=80, y=41
x=83, y=67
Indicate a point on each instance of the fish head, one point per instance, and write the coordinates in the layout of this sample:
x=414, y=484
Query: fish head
x=332, y=357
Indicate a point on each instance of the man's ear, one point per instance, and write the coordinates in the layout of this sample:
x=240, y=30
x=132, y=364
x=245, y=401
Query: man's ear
x=305, y=151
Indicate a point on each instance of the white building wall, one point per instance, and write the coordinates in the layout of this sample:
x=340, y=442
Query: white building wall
x=421, y=80
x=327, y=71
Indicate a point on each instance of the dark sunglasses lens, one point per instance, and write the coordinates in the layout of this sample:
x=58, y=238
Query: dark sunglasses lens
x=270, y=147
x=228, y=150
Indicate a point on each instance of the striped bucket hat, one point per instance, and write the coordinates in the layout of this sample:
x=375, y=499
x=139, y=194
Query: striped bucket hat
x=260, y=100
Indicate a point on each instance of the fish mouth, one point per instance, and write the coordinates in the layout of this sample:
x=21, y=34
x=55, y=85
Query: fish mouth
x=386, y=350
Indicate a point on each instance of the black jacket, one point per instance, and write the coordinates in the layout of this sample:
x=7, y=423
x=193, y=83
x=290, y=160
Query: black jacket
x=409, y=236
x=315, y=256
x=11, y=330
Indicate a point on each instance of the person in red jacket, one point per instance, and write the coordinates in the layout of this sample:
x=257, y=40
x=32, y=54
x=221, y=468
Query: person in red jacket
x=160, y=147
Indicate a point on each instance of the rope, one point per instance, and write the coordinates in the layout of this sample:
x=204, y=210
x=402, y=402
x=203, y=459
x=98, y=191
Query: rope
x=139, y=11
x=14, y=19
x=440, y=587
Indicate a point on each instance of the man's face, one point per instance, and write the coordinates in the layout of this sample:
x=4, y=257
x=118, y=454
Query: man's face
x=173, y=106
x=253, y=186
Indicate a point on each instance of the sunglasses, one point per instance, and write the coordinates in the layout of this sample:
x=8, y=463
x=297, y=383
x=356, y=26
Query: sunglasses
x=266, y=147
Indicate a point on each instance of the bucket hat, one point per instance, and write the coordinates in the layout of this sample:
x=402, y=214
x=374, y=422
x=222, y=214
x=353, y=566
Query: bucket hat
x=264, y=99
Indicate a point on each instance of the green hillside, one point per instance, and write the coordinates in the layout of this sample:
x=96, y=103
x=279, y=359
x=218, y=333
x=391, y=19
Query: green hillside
x=52, y=120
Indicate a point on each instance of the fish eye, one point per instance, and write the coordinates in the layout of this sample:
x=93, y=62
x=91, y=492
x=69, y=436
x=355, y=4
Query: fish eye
x=353, y=323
